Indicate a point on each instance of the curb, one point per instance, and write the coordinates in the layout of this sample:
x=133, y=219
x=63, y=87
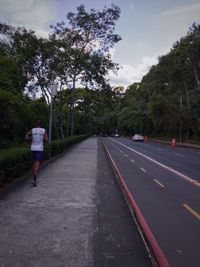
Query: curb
x=150, y=240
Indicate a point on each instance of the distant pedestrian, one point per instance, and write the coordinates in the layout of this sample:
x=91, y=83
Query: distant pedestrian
x=38, y=135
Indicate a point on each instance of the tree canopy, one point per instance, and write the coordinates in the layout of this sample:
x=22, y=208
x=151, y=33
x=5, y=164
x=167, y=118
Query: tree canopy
x=75, y=52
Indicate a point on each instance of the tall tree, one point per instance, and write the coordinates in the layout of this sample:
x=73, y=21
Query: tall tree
x=85, y=45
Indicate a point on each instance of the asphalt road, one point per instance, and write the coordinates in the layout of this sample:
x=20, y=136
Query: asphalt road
x=165, y=183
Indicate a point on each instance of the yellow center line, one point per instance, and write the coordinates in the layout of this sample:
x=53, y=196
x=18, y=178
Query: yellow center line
x=159, y=183
x=192, y=211
x=143, y=170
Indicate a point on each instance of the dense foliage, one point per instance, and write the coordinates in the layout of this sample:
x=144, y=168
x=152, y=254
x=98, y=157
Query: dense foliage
x=29, y=65
x=167, y=101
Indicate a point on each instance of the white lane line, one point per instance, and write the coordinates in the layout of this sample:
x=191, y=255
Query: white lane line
x=159, y=183
x=132, y=160
x=126, y=155
x=185, y=177
x=116, y=147
x=159, y=149
x=179, y=155
x=142, y=169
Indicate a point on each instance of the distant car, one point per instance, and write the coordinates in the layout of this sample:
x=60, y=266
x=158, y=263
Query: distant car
x=138, y=138
x=115, y=135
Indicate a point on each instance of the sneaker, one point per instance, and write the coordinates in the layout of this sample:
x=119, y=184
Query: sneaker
x=34, y=183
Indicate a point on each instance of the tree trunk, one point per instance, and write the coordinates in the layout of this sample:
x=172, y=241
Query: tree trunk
x=196, y=76
x=72, y=106
x=187, y=95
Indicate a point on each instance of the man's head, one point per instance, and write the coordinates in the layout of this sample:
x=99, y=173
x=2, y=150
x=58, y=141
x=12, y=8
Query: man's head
x=38, y=123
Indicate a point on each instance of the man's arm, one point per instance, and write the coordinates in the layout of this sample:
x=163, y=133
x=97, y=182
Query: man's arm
x=28, y=136
x=46, y=136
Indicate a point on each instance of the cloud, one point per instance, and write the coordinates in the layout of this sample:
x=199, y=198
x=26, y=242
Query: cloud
x=34, y=14
x=129, y=74
x=182, y=10
x=132, y=5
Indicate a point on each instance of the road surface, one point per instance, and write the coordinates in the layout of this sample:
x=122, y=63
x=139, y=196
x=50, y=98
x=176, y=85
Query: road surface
x=165, y=183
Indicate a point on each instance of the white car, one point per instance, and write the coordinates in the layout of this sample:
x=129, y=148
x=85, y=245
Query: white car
x=138, y=138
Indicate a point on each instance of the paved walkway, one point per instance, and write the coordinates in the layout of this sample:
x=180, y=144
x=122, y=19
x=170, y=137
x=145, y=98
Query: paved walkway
x=76, y=217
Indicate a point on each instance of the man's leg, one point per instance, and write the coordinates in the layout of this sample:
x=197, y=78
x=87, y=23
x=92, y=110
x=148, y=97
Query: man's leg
x=36, y=166
x=37, y=157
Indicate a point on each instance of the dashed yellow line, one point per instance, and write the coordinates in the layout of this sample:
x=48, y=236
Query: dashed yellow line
x=192, y=211
x=159, y=183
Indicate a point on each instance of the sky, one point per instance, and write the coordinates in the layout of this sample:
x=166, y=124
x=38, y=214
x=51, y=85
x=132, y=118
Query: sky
x=148, y=28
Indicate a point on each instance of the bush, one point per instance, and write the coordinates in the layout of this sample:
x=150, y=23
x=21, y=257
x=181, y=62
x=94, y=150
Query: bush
x=16, y=162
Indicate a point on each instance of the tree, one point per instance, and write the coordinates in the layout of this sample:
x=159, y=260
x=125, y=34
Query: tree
x=11, y=77
x=34, y=56
x=85, y=46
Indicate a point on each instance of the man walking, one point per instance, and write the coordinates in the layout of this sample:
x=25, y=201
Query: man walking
x=38, y=136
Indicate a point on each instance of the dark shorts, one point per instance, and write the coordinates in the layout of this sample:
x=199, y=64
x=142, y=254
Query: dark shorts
x=37, y=155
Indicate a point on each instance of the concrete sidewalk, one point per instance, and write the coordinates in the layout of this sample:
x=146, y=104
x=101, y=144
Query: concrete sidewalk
x=76, y=217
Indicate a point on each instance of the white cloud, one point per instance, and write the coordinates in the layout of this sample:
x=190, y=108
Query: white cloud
x=182, y=10
x=132, y=5
x=34, y=14
x=129, y=74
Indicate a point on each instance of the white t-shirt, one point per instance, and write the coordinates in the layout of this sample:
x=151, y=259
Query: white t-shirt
x=37, y=139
